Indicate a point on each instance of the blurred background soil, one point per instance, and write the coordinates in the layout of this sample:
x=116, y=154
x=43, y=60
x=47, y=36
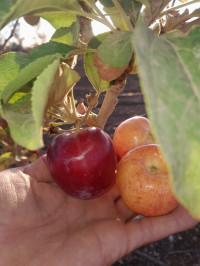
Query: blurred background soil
x=181, y=249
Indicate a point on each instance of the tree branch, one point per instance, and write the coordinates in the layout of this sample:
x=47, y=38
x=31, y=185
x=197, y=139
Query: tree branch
x=10, y=36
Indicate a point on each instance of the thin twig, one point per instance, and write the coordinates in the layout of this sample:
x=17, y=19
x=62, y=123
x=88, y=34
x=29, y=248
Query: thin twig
x=11, y=35
x=150, y=258
x=173, y=3
x=175, y=8
x=177, y=252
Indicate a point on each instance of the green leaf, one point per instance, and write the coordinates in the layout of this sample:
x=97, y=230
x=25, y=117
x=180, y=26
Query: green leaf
x=92, y=74
x=40, y=92
x=71, y=77
x=5, y=155
x=107, y=3
x=22, y=124
x=22, y=105
x=25, y=75
x=21, y=8
x=117, y=49
x=25, y=116
x=170, y=79
x=19, y=94
x=67, y=35
x=24, y=113
x=27, y=67
x=6, y=159
x=5, y=7
x=51, y=48
x=64, y=80
x=116, y=19
x=132, y=9
x=59, y=20
x=90, y=70
x=97, y=40
x=10, y=65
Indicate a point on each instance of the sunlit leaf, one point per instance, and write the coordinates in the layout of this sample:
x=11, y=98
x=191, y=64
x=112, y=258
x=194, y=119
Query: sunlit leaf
x=170, y=79
x=92, y=74
x=59, y=20
x=90, y=69
x=25, y=116
x=27, y=67
x=71, y=77
x=40, y=93
x=107, y=3
x=24, y=113
x=115, y=17
x=21, y=8
x=10, y=65
x=67, y=35
x=5, y=160
x=117, y=49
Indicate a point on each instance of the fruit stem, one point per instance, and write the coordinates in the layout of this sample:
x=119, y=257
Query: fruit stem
x=108, y=105
x=91, y=104
x=71, y=95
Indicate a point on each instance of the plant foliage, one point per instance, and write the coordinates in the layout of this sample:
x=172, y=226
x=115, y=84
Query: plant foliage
x=155, y=39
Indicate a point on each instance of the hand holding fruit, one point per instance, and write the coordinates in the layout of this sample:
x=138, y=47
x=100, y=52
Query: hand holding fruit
x=83, y=164
x=41, y=225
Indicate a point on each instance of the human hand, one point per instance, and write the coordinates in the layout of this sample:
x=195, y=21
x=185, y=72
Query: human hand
x=42, y=225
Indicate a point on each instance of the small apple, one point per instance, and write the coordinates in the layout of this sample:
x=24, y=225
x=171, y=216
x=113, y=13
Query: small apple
x=105, y=71
x=83, y=164
x=131, y=133
x=143, y=181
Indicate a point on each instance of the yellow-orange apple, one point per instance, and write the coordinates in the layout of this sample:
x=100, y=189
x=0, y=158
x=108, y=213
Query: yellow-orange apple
x=143, y=181
x=131, y=133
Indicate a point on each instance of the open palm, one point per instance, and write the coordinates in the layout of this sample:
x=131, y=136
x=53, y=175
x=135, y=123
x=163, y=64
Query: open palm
x=41, y=225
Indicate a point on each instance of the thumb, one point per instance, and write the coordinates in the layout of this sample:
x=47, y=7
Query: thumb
x=39, y=170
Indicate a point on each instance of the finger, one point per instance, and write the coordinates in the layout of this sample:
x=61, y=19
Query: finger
x=124, y=211
x=151, y=229
x=113, y=193
x=39, y=170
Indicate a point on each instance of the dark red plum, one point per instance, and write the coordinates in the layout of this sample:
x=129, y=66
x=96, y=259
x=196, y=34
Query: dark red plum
x=83, y=164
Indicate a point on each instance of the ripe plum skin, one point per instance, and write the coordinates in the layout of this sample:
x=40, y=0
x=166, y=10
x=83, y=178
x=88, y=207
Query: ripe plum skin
x=83, y=164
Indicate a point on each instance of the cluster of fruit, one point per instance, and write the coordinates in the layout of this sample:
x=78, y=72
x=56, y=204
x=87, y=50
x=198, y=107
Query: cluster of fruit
x=85, y=166
x=142, y=173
